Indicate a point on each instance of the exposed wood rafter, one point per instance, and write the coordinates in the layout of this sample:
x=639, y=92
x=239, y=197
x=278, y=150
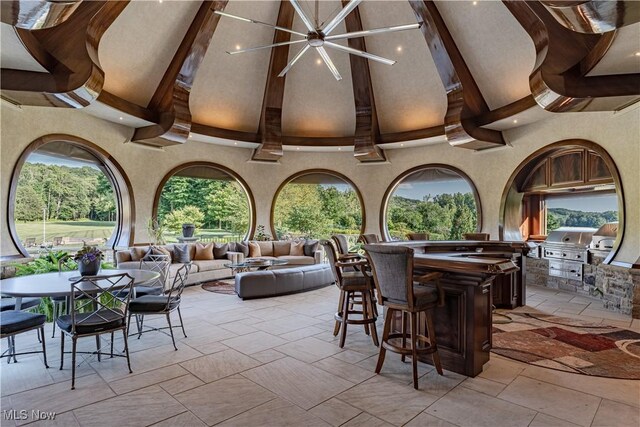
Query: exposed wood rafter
x=558, y=81
x=36, y=14
x=367, y=131
x=594, y=16
x=69, y=52
x=271, y=118
x=171, y=98
x=464, y=99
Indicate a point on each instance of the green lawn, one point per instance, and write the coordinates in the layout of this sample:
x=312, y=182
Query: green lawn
x=73, y=229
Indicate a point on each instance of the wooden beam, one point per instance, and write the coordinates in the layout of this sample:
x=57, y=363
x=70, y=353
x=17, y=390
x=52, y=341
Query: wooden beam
x=594, y=16
x=171, y=99
x=559, y=82
x=464, y=99
x=36, y=14
x=367, y=131
x=69, y=52
x=271, y=118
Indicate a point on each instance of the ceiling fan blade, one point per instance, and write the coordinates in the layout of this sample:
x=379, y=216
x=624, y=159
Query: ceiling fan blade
x=325, y=57
x=253, y=21
x=293, y=61
x=251, y=49
x=340, y=16
x=359, y=53
x=373, y=31
x=305, y=19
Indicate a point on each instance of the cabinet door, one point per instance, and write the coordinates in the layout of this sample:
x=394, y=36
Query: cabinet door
x=567, y=168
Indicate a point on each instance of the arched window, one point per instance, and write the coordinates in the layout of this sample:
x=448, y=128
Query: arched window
x=438, y=200
x=316, y=204
x=571, y=183
x=67, y=192
x=213, y=198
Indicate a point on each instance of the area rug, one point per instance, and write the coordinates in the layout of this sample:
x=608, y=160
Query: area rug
x=220, y=287
x=568, y=345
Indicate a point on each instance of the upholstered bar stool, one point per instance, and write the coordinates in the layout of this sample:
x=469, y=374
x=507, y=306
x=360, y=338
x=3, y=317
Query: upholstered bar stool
x=476, y=236
x=418, y=236
x=369, y=239
x=392, y=268
x=355, y=289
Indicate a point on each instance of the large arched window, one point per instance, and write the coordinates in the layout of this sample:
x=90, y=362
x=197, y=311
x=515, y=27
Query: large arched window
x=67, y=192
x=572, y=183
x=438, y=200
x=213, y=198
x=316, y=204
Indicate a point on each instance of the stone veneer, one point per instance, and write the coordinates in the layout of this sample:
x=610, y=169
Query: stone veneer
x=617, y=287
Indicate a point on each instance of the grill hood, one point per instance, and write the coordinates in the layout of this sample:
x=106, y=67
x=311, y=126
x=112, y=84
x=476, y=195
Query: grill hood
x=571, y=236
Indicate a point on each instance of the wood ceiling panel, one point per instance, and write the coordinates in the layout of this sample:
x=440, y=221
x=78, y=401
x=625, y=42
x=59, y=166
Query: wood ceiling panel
x=498, y=52
x=229, y=88
x=315, y=104
x=136, y=50
x=409, y=95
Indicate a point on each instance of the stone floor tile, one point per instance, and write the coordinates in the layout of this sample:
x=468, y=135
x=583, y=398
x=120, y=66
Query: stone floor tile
x=483, y=385
x=309, y=349
x=219, y=365
x=208, y=347
x=501, y=370
x=287, y=324
x=394, y=368
x=27, y=374
x=309, y=331
x=186, y=419
x=238, y=328
x=254, y=342
x=544, y=420
x=66, y=419
x=437, y=384
x=426, y=420
x=135, y=382
x=366, y=420
x=612, y=413
x=275, y=413
x=180, y=384
x=569, y=405
x=345, y=370
x=351, y=356
x=267, y=356
x=335, y=411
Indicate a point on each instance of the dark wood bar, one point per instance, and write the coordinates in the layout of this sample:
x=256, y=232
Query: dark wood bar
x=464, y=325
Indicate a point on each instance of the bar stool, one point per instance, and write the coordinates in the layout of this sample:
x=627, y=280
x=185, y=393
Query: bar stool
x=392, y=268
x=355, y=289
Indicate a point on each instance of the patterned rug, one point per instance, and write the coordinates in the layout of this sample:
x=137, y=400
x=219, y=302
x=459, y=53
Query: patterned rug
x=569, y=345
x=226, y=287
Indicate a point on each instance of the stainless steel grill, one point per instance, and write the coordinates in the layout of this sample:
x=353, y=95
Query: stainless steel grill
x=567, y=249
x=605, y=236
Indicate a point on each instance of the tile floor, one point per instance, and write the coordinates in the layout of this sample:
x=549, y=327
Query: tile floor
x=275, y=362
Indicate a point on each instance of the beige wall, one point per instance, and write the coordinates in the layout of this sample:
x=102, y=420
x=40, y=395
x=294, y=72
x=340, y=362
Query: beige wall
x=619, y=134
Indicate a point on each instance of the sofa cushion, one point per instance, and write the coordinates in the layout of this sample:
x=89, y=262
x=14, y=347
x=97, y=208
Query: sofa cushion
x=123, y=256
x=203, y=252
x=288, y=280
x=214, y=264
x=298, y=260
x=281, y=248
x=138, y=252
x=266, y=248
x=254, y=250
x=220, y=250
x=162, y=250
x=243, y=248
x=296, y=248
x=173, y=268
x=181, y=254
x=128, y=265
x=310, y=247
x=192, y=250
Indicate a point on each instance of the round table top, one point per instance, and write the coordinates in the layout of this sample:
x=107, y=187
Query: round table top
x=257, y=263
x=58, y=284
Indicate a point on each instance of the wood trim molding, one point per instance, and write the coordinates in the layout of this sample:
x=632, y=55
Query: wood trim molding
x=69, y=52
x=558, y=82
x=171, y=98
x=230, y=172
x=316, y=171
x=125, y=226
x=384, y=231
x=464, y=99
x=367, y=131
x=270, y=148
x=36, y=15
x=594, y=16
x=511, y=200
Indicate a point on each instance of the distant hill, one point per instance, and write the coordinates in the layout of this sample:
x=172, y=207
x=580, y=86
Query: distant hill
x=561, y=217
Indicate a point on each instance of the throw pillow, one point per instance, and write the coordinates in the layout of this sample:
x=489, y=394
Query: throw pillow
x=297, y=248
x=281, y=248
x=254, y=250
x=266, y=248
x=204, y=252
x=310, y=247
x=232, y=247
x=137, y=253
x=243, y=247
x=147, y=256
x=161, y=250
x=181, y=254
x=220, y=250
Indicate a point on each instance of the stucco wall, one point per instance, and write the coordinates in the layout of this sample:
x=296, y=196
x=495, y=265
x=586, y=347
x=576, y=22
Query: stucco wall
x=619, y=134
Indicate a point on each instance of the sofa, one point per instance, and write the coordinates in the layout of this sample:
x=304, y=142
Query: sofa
x=296, y=253
x=201, y=270
x=267, y=283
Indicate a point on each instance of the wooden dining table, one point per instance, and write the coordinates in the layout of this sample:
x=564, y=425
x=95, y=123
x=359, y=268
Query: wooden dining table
x=58, y=284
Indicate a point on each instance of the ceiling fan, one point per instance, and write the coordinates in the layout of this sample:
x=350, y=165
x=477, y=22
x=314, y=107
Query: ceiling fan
x=319, y=36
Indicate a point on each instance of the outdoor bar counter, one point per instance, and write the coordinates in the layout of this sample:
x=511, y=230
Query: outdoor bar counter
x=464, y=326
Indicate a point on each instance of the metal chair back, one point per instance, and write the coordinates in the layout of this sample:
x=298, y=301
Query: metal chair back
x=174, y=293
x=159, y=264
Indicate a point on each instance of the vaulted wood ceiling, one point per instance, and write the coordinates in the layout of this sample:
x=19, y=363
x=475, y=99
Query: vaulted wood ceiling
x=162, y=68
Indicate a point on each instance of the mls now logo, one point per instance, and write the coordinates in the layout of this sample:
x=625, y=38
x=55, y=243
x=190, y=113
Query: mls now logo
x=23, y=414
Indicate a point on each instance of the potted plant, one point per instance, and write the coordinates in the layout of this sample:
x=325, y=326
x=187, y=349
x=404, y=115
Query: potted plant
x=188, y=229
x=89, y=259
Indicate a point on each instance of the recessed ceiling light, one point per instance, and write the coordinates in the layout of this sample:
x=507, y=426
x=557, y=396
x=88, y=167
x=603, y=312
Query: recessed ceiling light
x=318, y=61
x=475, y=3
x=399, y=48
x=339, y=148
x=401, y=145
x=120, y=118
x=297, y=148
x=238, y=47
x=637, y=53
x=159, y=1
x=190, y=134
x=235, y=143
x=515, y=120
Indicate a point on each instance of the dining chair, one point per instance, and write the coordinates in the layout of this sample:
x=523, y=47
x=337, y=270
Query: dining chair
x=99, y=305
x=397, y=291
x=64, y=264
x=13, y=323
x=163, y=304
x=159, y=264
x=369, y=239
x=418, y=236
x=476, y=236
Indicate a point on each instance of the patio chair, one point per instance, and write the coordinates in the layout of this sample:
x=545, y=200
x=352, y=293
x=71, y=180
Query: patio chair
x=29, y=242
x=13, y=323
x=57, y=241
x=64, y=264
x=418, y=236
